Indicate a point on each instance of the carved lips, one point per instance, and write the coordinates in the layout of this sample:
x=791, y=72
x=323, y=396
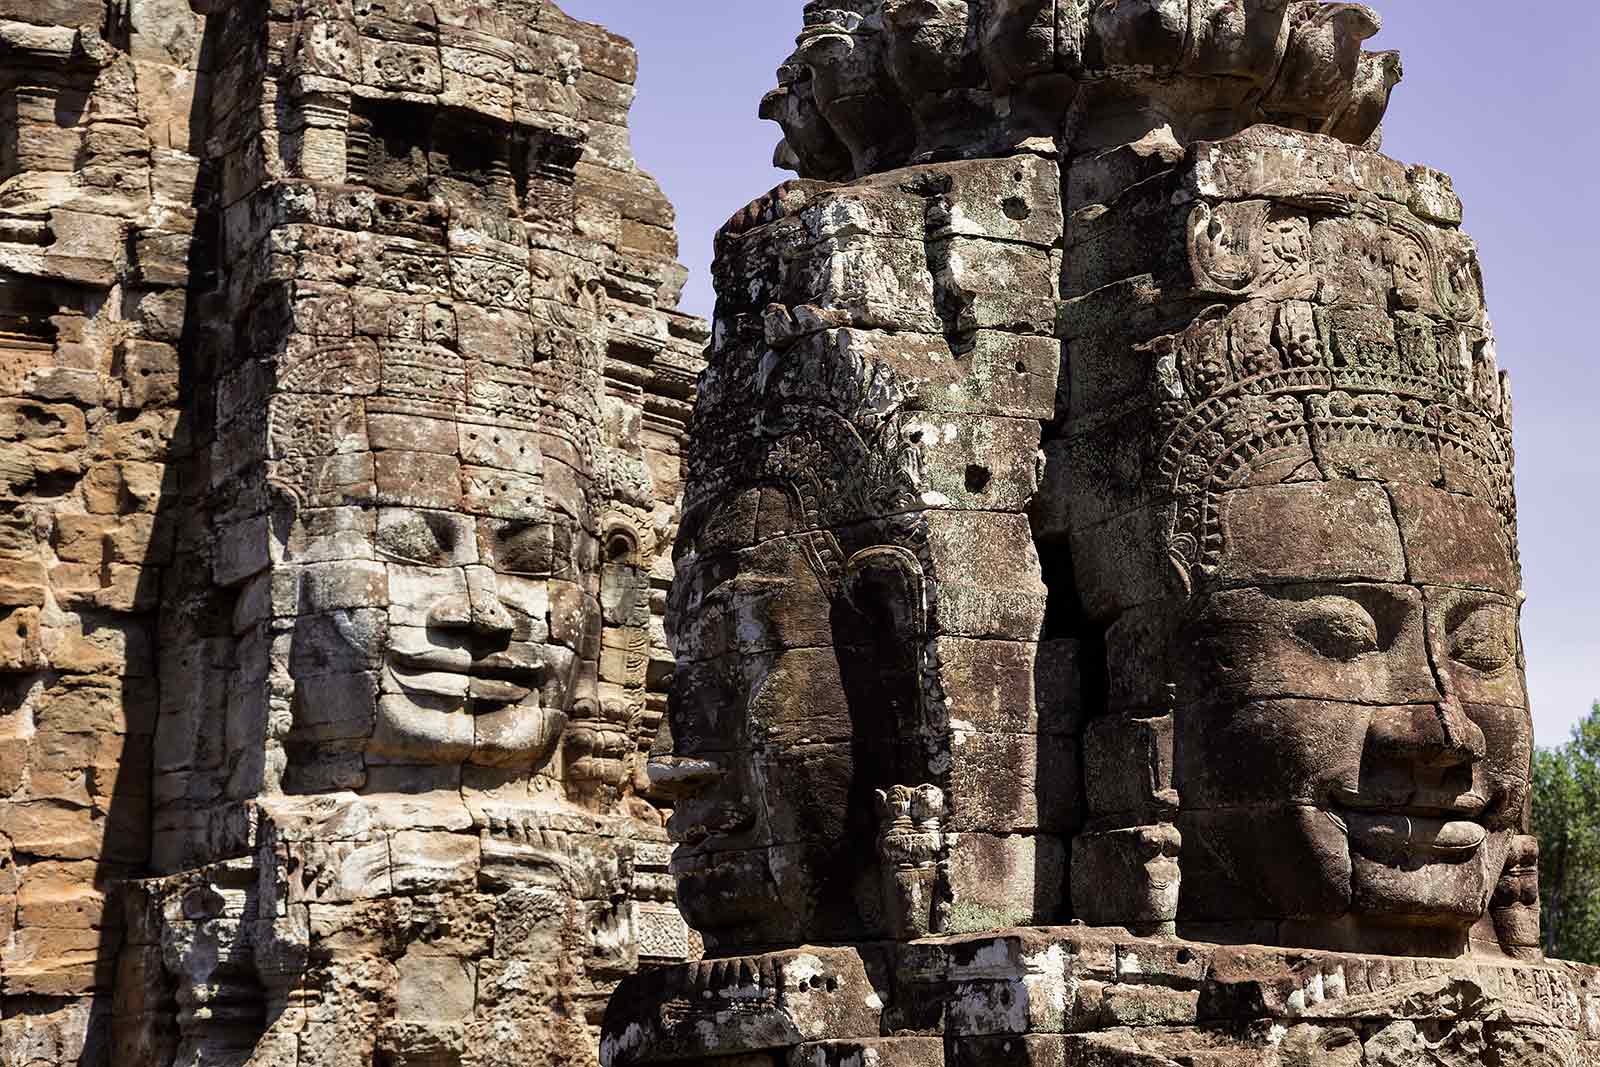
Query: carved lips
x=491, y=681
x=1397, y=838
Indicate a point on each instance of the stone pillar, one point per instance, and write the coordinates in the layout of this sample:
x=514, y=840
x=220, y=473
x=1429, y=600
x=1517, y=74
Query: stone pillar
x=1273, y=689
x=858, y=603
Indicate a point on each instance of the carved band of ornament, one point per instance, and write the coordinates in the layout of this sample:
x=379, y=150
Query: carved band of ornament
x=1234, y=250
x=340, y=368
x=1366, y=389
x=1198, y=480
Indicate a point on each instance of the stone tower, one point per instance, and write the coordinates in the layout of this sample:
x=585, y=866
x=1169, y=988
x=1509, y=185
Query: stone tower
x=343, y=390
x=1099, y=511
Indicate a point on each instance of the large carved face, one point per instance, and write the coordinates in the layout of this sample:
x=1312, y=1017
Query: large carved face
x=488, y=626
x=451, y=618
x=1354, y=735
x=1307, y=570
x=435, y=432
x=787, y=703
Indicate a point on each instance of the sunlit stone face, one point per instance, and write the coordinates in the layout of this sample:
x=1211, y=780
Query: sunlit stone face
x=1354, y=741
x=435, y=432
x=459, y=625
x=480, y=667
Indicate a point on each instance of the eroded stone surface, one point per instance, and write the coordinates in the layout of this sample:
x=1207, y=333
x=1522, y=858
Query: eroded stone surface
x=1240, y=380
x=876, y=84
x=1249, y=675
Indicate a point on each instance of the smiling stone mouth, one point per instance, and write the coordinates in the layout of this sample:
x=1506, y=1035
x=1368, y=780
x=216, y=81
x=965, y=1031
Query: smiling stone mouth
x=447, y=662
x=734, y=862
x=487, y=684
x=1398, y=835
x=1435, y=805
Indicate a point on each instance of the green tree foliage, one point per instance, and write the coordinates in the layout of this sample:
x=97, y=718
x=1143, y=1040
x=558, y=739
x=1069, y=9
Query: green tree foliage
x=1566, y=819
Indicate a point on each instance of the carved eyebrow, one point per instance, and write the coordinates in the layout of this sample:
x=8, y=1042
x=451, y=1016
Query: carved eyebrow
x=1470, y=603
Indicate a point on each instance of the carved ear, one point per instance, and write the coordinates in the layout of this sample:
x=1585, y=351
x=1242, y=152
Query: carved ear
x=886, y=583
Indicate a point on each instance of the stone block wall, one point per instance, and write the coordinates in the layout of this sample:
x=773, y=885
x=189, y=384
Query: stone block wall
x=97, y=216
x=1081, y=997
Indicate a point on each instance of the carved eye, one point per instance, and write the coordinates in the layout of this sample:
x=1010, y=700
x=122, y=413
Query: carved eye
x=522, y=548
x=1338, y=627
x=1486, y=639
x=418, y=537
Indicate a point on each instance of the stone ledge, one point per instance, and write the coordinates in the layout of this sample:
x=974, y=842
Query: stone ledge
x=1093, y=996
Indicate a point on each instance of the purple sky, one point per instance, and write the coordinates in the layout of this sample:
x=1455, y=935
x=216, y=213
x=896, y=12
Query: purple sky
x=1499, y=94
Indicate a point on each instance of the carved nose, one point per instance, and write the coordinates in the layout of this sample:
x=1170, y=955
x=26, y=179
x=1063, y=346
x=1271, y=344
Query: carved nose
x=680, y=777
x=488, y=615
x=1431, y=735
x=480, y=610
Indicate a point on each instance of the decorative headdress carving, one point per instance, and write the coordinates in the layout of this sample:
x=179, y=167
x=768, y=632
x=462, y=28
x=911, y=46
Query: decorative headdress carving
x=835, y=438
x=1280, y=377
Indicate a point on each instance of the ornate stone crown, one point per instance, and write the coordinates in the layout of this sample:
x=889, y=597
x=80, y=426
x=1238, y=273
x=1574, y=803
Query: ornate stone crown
x=1284, y=378
x=876, y=84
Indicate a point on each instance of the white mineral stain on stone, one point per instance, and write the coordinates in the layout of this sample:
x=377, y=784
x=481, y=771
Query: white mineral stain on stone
x=961, y=222
x=611, y=1047
x=799, y=971
x=1335, y=982
x=1130, y=964
x=1045, y=976
x=992, y=955
x=1277, y=1033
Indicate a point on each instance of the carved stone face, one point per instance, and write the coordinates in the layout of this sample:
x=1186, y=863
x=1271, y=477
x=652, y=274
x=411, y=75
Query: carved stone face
x=753, y=625
x=780, y=737
x=489, y=674
x=1354, y=736
x=464, y=619
x=439, y=516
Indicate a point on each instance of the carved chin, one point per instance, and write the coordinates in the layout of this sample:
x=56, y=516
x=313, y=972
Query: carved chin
x=726, y=890
x=1427, y=885
x=522, y=735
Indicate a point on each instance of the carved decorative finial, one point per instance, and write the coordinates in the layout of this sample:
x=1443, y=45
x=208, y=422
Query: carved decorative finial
x=911, y=849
